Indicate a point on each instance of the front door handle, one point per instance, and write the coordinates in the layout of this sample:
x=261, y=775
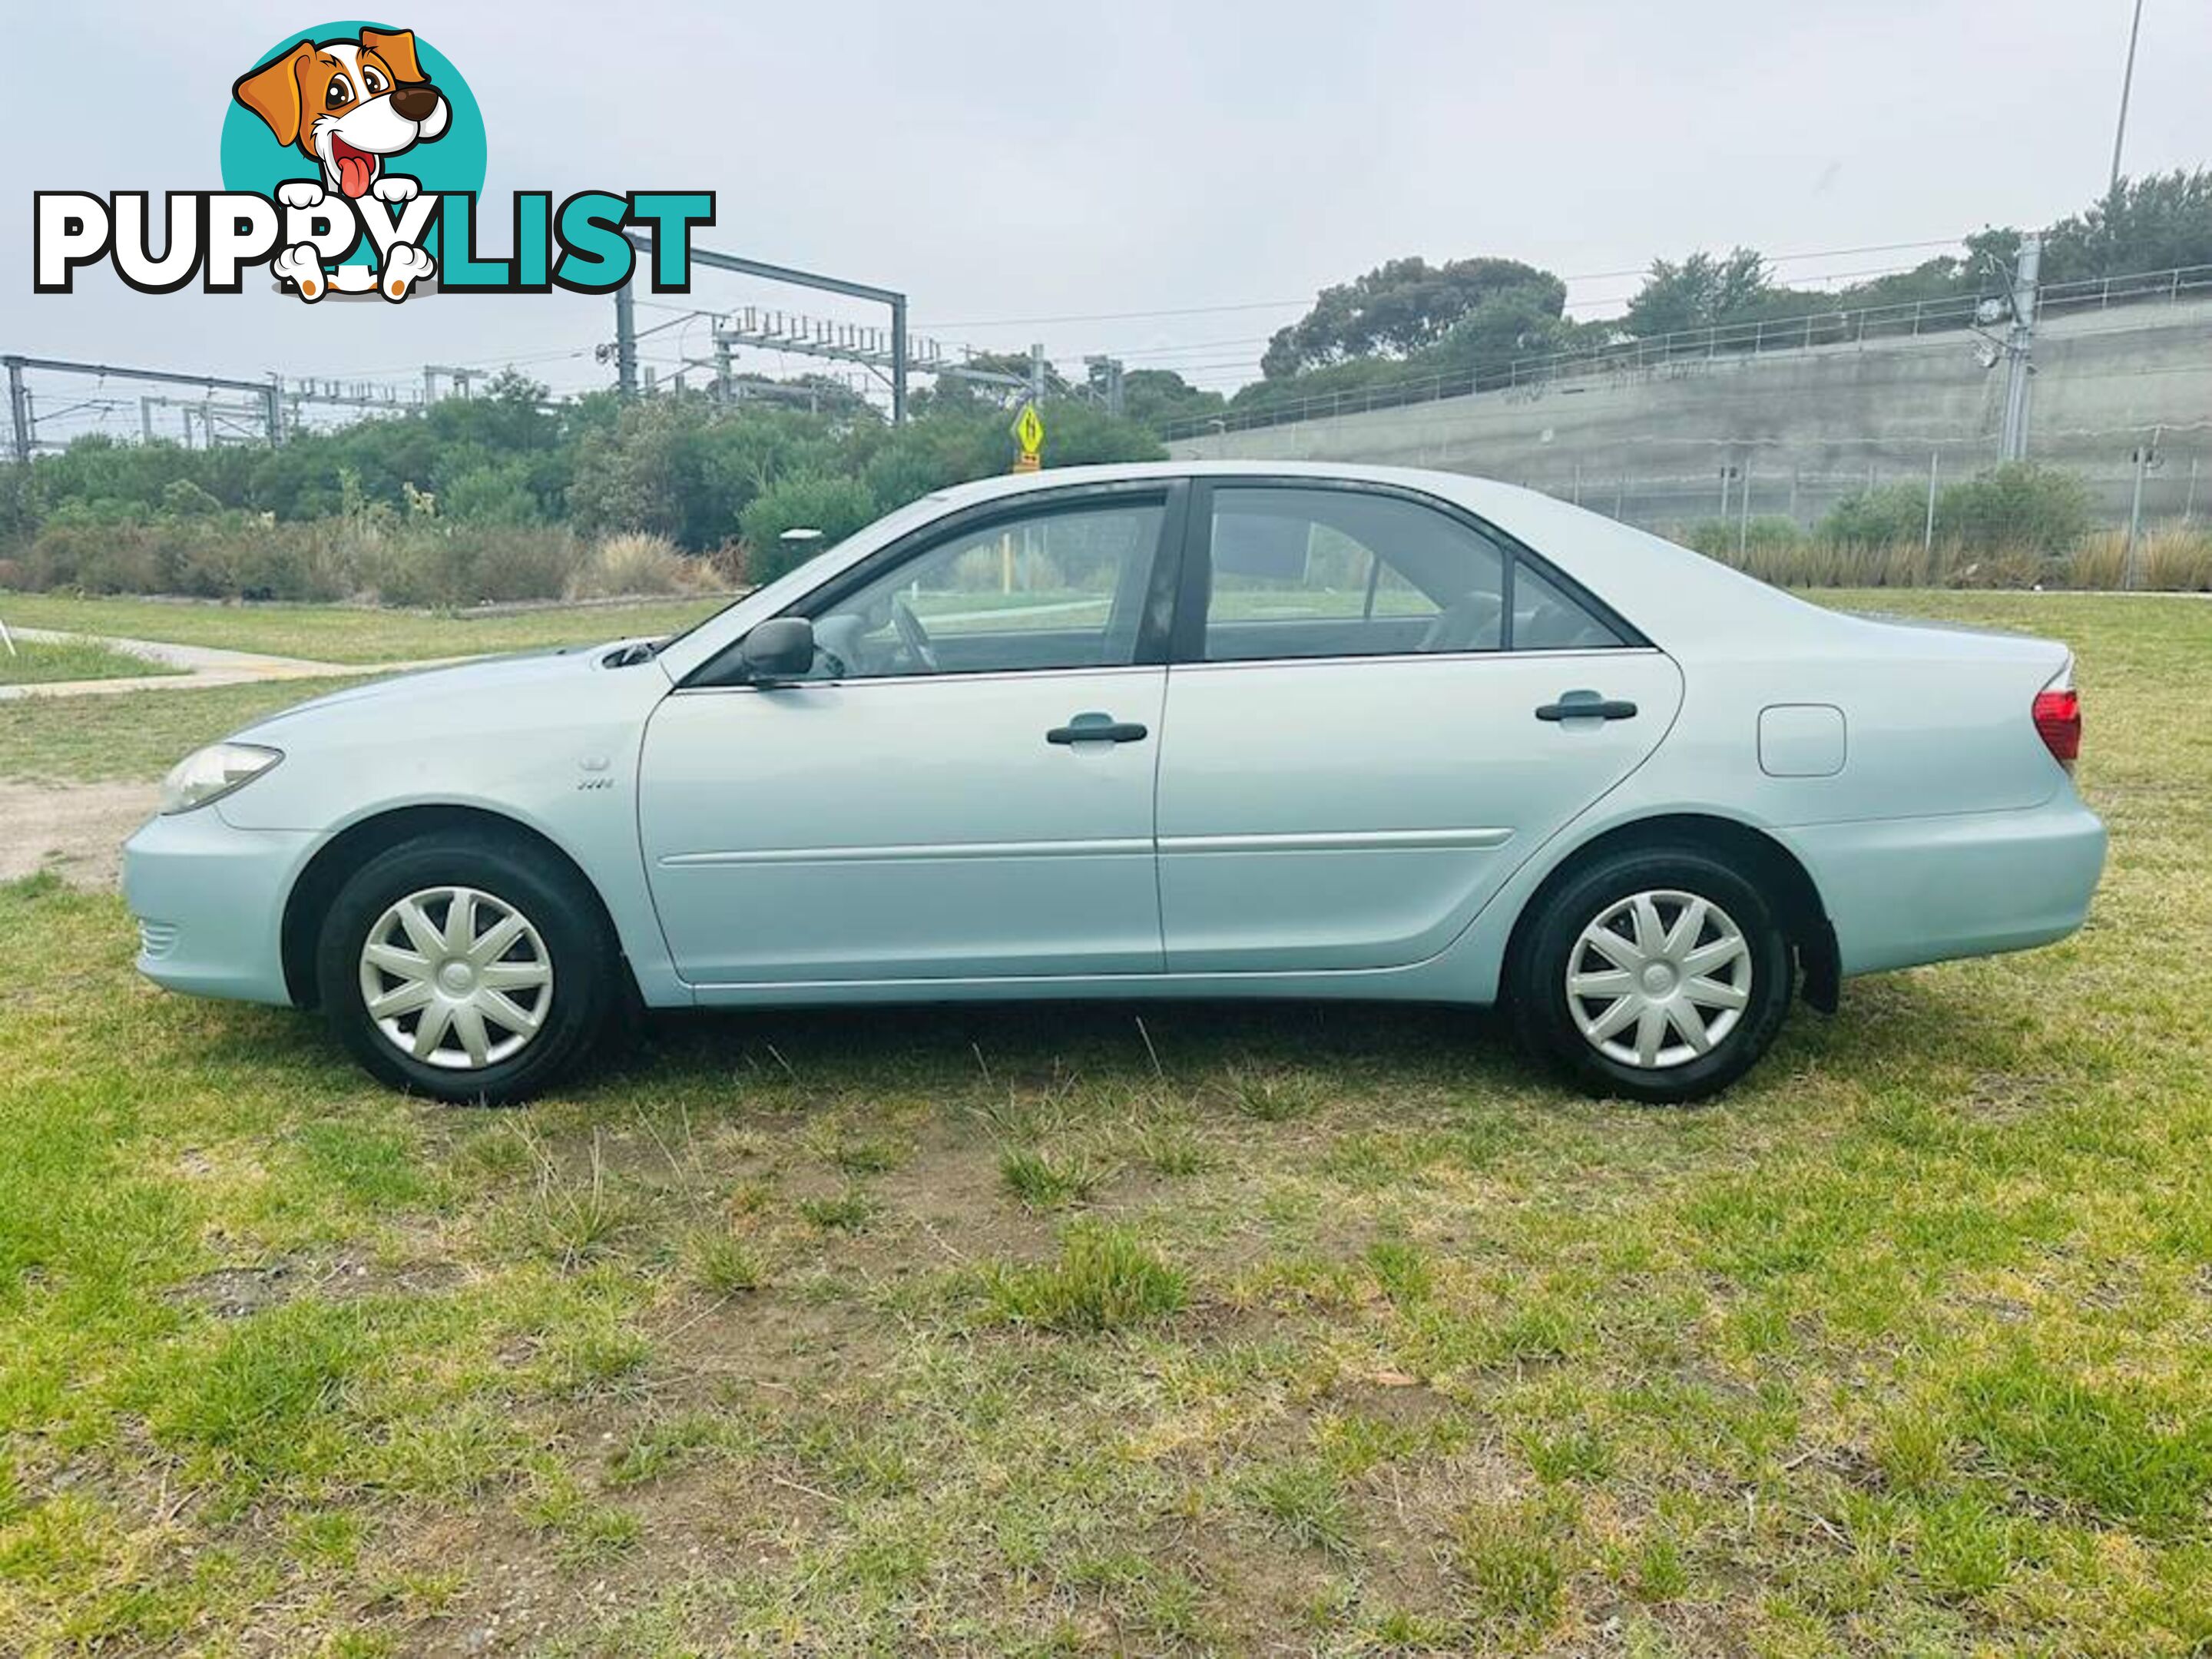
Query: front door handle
x=1097, y=728
x=1586, y=706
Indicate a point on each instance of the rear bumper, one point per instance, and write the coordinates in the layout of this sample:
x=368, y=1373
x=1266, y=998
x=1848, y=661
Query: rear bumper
x=1901, y=892
x=208, y=899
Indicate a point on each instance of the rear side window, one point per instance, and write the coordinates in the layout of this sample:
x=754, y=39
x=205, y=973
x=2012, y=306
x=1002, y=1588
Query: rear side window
x=1319, y=573
x=1545, y=619
x=1303, y=572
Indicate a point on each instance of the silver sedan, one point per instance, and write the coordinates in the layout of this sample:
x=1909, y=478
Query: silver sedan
x=1154, y=731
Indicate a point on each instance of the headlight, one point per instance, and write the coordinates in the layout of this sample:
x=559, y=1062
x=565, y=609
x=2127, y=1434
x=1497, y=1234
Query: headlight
x=213, y=773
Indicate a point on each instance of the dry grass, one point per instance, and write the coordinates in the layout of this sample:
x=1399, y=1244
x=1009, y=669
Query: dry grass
x=2170, y=559
x=2175, y=558
x=634, y=565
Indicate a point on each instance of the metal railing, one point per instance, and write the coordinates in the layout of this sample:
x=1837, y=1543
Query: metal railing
x=1851, y=326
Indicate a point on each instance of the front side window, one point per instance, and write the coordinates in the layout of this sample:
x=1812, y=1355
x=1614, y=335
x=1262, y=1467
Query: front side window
x=1053, y=589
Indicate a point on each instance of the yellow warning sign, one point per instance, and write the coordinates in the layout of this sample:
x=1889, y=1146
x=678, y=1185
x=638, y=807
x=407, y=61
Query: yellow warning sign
x=1029, y=429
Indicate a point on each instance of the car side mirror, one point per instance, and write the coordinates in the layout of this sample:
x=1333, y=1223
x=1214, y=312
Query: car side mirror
x=781, y=648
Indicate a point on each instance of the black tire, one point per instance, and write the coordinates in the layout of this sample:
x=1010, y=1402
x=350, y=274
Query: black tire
x=586, y=970
x=1536, y=978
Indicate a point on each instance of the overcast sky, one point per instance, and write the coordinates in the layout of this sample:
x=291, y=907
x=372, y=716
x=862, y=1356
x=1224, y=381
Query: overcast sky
x=1209, y=165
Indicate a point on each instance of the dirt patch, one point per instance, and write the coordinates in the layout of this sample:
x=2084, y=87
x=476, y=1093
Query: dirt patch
x=234, y=1292
x=75, y=830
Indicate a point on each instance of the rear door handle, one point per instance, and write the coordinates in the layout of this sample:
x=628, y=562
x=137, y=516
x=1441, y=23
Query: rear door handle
x=1097, y=728
x=1586, y=706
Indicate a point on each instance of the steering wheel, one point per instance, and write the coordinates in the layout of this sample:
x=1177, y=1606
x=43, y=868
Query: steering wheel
x=913, y=635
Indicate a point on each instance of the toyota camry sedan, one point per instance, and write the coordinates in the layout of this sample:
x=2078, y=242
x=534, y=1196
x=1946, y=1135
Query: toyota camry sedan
x=1177, y=730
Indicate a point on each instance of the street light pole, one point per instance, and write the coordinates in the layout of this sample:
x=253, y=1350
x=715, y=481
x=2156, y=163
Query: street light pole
x=2127, y=86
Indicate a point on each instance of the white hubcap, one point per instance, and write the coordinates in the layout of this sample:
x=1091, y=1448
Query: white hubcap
x=456, y=978
x=1659, y=979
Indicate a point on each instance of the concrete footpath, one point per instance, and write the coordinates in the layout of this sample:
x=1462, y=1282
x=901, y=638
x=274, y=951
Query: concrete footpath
x=196, y=665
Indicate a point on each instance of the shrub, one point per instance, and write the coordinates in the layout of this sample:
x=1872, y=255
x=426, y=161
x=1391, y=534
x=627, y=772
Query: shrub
x=498, y=494
x=811, y=500
x=183, y=499
x=2019, y=507
x=1889, y=515
x=100, y=559
x=445, y=565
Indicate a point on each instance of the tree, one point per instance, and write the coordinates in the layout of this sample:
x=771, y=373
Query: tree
x=1399, y=308
x=1524, y=320
x=1159, y=399
x=2157, y=223
x=1702, y=291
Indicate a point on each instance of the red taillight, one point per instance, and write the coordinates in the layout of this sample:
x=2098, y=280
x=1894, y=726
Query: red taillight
x=2058, y=723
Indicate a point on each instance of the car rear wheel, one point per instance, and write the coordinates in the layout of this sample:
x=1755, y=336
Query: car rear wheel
x=468, y=967
x=1656, y=973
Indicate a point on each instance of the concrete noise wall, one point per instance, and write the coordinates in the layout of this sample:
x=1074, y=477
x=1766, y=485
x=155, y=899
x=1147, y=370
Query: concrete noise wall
x=1659, y=445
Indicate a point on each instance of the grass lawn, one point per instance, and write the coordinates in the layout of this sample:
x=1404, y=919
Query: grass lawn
x=1302, y=1330
x=349, y=634
x=47, y=662
x=133, y=734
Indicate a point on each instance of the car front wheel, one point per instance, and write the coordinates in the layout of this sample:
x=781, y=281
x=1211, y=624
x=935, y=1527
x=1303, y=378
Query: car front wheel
x=467, y=967
x=1657, y=974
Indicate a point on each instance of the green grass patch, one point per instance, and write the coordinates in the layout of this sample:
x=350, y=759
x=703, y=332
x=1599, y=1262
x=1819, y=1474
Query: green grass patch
x=1375, y=1341
x=350, y=633
x=48, y=662
x=131, y=735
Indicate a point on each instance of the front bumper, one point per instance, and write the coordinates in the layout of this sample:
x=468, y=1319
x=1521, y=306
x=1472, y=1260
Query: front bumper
x=209, y=899
x=1901, y=892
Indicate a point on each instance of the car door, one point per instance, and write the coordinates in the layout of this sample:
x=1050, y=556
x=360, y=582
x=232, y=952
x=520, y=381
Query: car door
x=1376, y=710
x=963, y=786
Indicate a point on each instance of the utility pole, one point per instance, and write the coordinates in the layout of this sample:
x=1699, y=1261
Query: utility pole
x=2019, y=347
x=625, y=343
x=898, y=359
x=19, y=411
x=1036, y=373
x=2127, y=85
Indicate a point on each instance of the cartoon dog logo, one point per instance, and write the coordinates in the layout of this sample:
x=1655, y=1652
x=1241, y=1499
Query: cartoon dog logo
x=348, y=105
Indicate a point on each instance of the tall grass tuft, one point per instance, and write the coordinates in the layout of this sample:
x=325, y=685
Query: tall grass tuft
x=1106, y=1277
x=635, y=564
